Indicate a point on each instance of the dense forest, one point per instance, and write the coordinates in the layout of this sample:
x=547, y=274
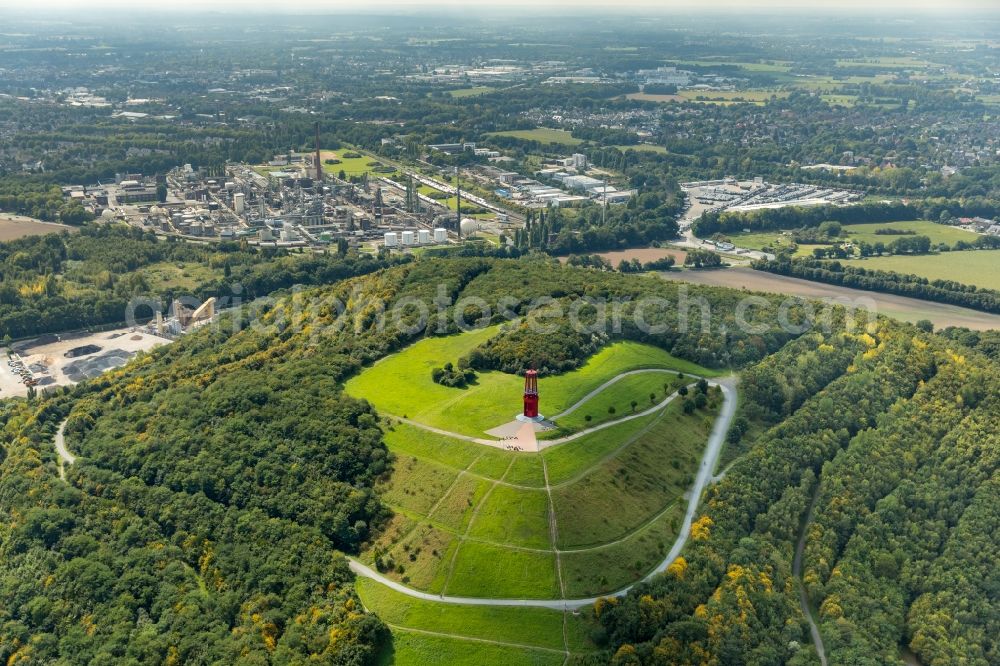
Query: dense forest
x=893, y=435
x=795, y=217
x=891, y=282
x=61, y=282
x=219, y=477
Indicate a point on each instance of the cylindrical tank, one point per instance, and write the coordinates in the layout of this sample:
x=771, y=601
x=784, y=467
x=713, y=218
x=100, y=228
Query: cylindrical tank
x=390, y=239
x=440, y=235
x=423, y=236
x=408, y=238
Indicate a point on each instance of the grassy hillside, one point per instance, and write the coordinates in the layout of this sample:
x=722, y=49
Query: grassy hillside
x=219, y=478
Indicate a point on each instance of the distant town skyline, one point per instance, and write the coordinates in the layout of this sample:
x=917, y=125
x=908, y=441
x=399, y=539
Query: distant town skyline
x=588, y=6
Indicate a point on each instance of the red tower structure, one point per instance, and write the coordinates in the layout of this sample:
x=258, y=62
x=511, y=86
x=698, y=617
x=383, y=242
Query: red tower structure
x=531, y=394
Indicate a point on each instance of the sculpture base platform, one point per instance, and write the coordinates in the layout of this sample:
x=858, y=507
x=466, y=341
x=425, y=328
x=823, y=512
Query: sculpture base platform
x=530, y=419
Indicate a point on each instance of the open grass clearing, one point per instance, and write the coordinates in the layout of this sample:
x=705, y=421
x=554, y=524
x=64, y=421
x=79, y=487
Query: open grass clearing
x=977, y=267
x=543, y=135
x=165, y=275
x=592, y=572
x=352, y=166
x=732, y=95
x=456, y=509
x=938, y=233
x=644, y=148
x=513, y=516
x=484, y=570
x=495, y=398
x=419, y=558
x=646, y=390
x=568, y=460
x=413, y=648
x=537, y=627
x=415, y=484
x=631, y=488
x=770, y=66
x=475, y=91
x=856, y=233
x=526, y=471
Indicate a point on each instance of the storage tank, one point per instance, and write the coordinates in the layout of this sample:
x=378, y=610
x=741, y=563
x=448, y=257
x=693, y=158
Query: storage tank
x=390, y=239
x=440, y=235
x=408, y=238
x=469, y=227
x=423, y=236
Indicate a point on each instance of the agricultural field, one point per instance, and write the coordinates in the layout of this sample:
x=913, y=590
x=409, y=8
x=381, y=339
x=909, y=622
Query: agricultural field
x=543, y=135
x=644, y=148
x=890, y=305
x=978, y=267
x=471, y=92
x=770, y=67
x=13, y=227
x=938, y=233
x=712, y=96
x=886, y=62
x=834, y=99
x=473, y=520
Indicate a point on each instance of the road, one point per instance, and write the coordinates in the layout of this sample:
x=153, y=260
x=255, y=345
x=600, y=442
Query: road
x=65, y=457
x=686, y=224
x=704, y=477
x=817, y=639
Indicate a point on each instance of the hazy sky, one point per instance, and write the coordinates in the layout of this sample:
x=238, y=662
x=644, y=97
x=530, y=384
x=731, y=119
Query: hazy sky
x=492, y=6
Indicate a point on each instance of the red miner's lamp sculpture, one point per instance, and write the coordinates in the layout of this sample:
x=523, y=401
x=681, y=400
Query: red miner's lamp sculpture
x=531, y=394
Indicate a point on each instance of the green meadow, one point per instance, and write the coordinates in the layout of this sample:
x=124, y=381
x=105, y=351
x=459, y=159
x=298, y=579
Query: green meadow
x=495, y=397
x=543, y=135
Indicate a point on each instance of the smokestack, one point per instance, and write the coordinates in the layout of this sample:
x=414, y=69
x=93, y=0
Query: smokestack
x=319, y=162
x=458, y=206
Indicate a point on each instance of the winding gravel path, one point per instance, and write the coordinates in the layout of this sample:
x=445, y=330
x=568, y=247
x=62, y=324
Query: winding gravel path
x=704, y=477
x=817, y=638
x=65, y=457
x=547, y=443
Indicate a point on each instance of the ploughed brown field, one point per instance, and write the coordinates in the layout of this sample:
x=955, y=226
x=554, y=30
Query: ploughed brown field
x=643, y=254
x=17, y=226
x=890, y=305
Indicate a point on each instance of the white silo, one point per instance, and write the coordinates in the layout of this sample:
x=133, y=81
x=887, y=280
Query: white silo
x=390, y=239
x=423, y=236
x=408, y=238
x=239, y=200
x=440, y=235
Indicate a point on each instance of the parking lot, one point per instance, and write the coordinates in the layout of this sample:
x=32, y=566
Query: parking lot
x=70, y=359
